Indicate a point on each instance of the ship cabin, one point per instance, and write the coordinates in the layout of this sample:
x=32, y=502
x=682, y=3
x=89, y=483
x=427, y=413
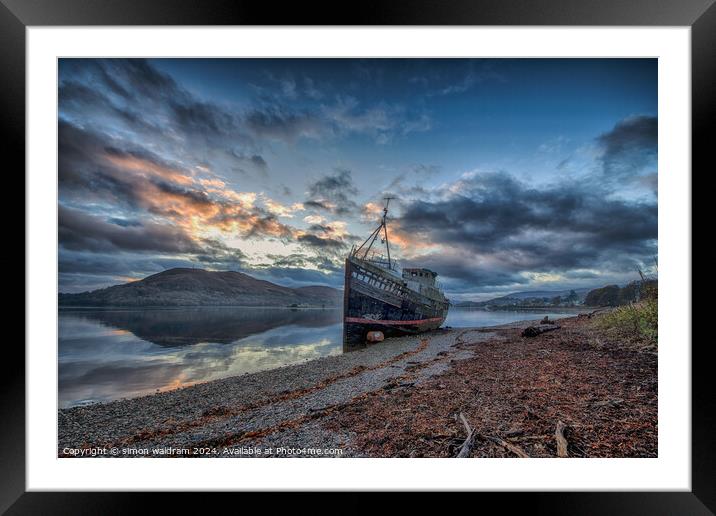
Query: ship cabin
x=423, y=276
x=422, y=281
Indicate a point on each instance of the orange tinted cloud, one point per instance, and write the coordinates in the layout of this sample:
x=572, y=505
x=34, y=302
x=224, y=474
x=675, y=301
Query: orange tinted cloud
x=281, y=210
x=198, y=205
x=371, y=211
x=407, y=242
x=149, y=168
x=213, y=182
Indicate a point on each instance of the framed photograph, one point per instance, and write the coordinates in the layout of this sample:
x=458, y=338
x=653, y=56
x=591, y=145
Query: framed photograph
x=419, y=249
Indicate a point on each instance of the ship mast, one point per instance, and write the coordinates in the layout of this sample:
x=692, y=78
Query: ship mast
x=385, y=227
x=374, y=235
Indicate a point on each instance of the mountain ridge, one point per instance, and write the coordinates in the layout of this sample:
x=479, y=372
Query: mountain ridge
x=199, y=287
x=516, y=297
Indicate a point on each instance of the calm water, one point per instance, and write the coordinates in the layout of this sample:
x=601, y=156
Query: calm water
x=111, y=354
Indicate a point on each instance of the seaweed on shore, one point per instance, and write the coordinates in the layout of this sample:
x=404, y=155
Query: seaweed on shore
x=578, y=384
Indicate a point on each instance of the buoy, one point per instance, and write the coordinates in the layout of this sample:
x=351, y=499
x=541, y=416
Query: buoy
x=375, y=336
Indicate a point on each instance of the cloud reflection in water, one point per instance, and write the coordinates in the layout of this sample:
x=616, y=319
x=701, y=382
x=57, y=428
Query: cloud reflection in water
x=111, y=354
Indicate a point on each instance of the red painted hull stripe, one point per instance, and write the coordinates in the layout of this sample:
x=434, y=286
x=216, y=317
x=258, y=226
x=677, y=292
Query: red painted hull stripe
x=386, y=322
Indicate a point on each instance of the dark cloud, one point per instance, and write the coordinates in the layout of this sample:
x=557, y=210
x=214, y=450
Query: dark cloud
x=293, y=277
x=253, y=161
x=383, y=122
x=334, y=192
x=133, y=78
x=408, y=181
x=75, y=97
x=321, y=242
x=302, y=260
x=218, y=256
x=124, y=222
x=462, y=272
x=318, y=205
x=98, y=267
x=279, y=123
x=135, y=81
x=134, y=95
x=630, y=146
x=325, y=228
x=499, y=228
x=82, y=231
x=79, y=171
x=114, y=263
x=148, y=102
x=290, y=260
x=73, y=282
x=258, y=161
x=202, y=118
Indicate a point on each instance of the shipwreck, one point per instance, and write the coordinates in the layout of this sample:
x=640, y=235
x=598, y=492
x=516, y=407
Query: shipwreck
x=382, y=297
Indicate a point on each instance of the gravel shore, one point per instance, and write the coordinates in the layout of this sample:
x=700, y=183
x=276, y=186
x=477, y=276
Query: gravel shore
x=354, y=404
x=228, y=412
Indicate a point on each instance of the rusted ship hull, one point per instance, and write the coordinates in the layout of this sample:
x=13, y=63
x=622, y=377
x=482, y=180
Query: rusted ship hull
x=375, y=300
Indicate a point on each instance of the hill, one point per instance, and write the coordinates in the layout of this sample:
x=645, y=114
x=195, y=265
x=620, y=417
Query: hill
x=533, y=298
x=199, y=287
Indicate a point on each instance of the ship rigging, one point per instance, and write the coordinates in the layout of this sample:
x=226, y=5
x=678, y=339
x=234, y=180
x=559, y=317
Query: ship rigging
x=374, y=235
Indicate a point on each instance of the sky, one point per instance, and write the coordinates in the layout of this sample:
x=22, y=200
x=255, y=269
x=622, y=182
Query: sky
x=508, y=174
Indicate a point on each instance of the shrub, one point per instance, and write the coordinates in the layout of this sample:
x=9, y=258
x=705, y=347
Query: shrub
x=650, y=289
x=638, y=320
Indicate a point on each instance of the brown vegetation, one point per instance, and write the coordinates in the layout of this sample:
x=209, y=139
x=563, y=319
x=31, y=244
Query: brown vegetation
x=577, y=392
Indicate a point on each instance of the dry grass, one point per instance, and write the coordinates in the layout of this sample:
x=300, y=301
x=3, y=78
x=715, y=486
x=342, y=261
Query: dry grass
x=636, y=323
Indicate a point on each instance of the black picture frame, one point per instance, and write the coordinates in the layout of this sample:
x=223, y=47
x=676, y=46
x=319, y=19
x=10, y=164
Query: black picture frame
x=16, y=15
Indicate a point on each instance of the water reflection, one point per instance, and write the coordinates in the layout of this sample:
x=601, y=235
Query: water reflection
x=188, y=326
x=111, y=354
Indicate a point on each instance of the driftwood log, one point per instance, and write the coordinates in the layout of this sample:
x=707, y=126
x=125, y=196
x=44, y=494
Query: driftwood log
x=466, y=447
x=533, y=331
x=509, y=446
x=561, y=440
x=472, y=434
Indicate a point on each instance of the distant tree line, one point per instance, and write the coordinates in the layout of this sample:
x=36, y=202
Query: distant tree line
x=570, y=300
x=613, y=295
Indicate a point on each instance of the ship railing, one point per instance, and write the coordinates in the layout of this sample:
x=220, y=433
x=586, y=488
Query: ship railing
x=381, y=261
